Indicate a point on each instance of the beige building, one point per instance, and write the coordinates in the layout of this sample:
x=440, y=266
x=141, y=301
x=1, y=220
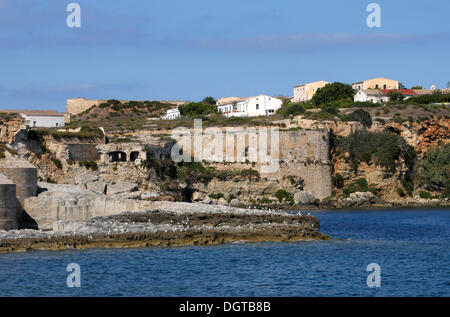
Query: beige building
x=305, y=92
x=376, y=83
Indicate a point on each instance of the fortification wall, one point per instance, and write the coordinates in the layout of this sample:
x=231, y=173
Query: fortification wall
x=303, y=154
x=8, y=204
x=77, y=105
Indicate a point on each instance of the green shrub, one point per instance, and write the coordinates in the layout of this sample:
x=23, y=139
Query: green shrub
x=193, y=109
x=433, y=172
x=359, y=115
x=265, y=201
x=282, y=194
x=358, y=185
x=425, y=195
x=57, y=163
x=90, y=165
x=400, y=192
x=291, y=109
x=338, y=181
x=216, y=196
x=331, y=110
x=332, y=92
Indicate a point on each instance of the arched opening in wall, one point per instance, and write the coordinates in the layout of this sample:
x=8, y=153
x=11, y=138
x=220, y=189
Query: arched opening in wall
x=118, y=156
x=134, y=156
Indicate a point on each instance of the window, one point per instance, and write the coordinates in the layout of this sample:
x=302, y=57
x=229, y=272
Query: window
x=257, y=106
x=376, y=86
x=384, y=86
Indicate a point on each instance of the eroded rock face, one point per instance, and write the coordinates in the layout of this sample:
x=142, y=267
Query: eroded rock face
x=358, y=199
x=9, y=129
x=83, y=179
x=304, y=198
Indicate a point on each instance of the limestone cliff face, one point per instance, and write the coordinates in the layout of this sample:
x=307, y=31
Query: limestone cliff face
x=424, y=135
x=10, y=128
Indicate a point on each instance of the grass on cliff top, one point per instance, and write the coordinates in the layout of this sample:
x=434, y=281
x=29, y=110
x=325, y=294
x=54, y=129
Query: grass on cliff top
x=6, y=116
x=86, y=132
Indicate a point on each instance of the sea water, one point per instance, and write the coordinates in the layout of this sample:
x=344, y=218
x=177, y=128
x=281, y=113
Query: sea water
x=411, y=247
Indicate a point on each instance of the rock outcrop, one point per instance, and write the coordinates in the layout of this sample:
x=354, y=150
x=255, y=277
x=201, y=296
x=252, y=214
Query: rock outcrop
x=168, y=224
x=71, y=202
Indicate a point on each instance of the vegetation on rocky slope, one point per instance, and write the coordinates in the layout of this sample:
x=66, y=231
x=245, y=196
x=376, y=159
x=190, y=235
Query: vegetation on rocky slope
x=384, y=148
x=86, y=132
x=433, y=173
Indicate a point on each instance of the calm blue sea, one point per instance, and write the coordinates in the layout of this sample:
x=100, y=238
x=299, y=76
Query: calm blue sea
x=412, y=248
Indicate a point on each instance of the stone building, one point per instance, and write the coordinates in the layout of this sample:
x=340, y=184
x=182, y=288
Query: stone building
x=305, y=92
x=376, y=83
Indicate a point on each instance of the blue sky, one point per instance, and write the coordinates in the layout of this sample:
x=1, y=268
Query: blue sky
x=180, y=49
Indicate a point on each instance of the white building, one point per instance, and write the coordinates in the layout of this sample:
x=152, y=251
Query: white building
x=40, y=118
x=372, y=95
x=381, y=95
x=261, y=105
x=172, y=114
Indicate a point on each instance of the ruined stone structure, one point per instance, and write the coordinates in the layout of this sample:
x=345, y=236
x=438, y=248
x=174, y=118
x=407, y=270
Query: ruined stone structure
x=123, y=152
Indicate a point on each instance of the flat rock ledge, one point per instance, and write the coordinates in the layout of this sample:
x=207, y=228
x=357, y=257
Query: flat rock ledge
x=168, y=224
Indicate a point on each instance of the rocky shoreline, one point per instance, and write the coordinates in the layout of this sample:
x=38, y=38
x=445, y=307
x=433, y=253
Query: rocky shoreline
x=167, y=224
